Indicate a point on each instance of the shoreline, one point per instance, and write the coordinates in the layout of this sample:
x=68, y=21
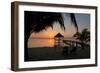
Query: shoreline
x=59, y=53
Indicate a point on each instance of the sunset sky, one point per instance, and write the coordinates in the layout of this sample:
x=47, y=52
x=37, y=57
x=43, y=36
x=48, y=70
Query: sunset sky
x=83, y=21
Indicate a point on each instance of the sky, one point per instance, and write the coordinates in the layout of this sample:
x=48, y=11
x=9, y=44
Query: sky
x=83, y=21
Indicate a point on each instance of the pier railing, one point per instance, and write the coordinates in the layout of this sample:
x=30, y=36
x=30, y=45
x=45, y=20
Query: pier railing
x=73, y=43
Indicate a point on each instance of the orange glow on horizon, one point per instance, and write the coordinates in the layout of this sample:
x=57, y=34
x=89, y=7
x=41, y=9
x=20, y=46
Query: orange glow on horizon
x=44, y=35
x=50, y=33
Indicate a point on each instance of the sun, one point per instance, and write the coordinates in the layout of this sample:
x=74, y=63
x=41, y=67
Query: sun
x=50, y=36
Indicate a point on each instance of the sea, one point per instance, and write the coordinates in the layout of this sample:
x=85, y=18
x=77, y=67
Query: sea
x=43, y=42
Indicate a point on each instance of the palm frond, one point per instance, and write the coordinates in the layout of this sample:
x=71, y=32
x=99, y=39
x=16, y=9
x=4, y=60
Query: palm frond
x=61, y=22
x=84, y=35
x=73, y=20
x=38, y=21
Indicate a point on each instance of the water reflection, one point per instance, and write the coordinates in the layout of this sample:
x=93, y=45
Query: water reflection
x=40, y=43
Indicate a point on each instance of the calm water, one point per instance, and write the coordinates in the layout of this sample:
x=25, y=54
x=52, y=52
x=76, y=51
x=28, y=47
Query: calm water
x=40, y=43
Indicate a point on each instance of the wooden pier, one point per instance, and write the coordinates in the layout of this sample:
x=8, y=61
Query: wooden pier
x=73, y=43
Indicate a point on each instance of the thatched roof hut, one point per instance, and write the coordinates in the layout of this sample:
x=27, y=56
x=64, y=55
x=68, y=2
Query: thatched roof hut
x=59, y=35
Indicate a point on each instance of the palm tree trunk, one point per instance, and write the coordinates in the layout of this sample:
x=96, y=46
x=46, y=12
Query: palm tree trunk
x=82, y=45
x=26, y=56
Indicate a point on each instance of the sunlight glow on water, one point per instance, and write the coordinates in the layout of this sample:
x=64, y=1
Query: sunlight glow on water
x=40, y=43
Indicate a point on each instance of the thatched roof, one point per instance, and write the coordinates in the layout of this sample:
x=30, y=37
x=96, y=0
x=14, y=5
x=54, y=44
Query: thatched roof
x=59, y=35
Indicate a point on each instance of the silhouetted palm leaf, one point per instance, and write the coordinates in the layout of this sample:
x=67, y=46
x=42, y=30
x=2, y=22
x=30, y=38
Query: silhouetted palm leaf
x=42, y=20
x=83, y=36
x=73, y=20
x=38, y=21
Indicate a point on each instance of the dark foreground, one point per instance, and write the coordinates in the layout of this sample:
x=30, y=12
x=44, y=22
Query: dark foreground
x=59, y=53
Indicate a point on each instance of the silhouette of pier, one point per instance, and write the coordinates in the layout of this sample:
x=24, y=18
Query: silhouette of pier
x=74, y=43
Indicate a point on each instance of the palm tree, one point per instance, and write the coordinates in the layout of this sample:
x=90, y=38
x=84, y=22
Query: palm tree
x=83, y=36
x=38, y=21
